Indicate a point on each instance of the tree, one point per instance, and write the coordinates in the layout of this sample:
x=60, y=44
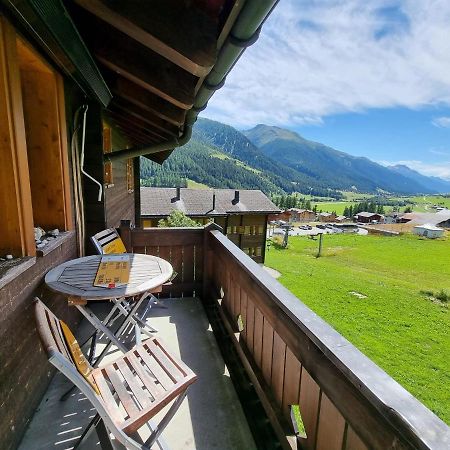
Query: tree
x=408, y=209
x=177, y=219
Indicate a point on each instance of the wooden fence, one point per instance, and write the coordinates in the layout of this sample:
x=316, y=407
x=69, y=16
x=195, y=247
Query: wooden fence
x=182, y=247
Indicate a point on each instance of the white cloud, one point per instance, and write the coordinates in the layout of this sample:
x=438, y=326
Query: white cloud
x=441, y=170
x=441, y=122
x=317, y=58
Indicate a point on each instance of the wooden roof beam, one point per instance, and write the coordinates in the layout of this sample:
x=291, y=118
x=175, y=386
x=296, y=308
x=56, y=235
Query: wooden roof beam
x=137, y=124
x=142, y=66
x=117, y=18
x=146, y=116
x=143, y=98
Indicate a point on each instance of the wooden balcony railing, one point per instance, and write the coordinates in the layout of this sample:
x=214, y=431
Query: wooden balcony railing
x=291, y=355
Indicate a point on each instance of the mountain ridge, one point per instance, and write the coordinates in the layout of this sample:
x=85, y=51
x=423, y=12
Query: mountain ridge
x=297, y=152
x=276, y=161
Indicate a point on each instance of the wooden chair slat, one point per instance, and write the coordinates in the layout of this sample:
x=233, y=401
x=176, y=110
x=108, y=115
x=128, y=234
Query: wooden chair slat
x=162, y=377
x=154, y=389
x=165, y=363
x=116, y=414
x=140, y=395
x=124, y=396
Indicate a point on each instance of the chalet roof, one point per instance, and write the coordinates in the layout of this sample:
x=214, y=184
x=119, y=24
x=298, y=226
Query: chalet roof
x=428, y=226
x=160, y=202
x=368, y=214
x=427, y=218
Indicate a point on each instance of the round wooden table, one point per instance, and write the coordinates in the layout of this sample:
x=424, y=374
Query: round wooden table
x=75, y=279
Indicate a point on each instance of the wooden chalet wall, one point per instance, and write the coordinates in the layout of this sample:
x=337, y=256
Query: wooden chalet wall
x=34, y=105
x=117, y=202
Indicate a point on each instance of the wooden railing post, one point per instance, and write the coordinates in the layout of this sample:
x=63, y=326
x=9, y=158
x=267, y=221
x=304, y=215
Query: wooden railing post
x=125, y=234
x=208, y=259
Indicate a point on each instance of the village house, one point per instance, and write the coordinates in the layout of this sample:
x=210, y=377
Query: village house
x=301, y=215
x=242, y=214
x=429, y=231
x=327, y=217
x=87, y=88
x=368, y=217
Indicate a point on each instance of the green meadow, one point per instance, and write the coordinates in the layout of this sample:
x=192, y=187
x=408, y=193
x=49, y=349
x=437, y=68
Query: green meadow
x=396, y=316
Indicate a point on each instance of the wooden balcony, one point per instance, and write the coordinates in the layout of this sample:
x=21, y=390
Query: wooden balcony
x=290, y=355
x=279, y=355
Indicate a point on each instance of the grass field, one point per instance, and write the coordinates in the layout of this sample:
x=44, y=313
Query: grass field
x=333, y=206
x=404, y=331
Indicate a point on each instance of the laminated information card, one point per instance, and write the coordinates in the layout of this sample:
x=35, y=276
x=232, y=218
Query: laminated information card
x=113, y=271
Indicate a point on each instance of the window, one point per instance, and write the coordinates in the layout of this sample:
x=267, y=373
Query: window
x=34, y=172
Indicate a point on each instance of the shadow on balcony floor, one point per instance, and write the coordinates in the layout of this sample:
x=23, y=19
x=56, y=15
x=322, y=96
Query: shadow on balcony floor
x=210, y=418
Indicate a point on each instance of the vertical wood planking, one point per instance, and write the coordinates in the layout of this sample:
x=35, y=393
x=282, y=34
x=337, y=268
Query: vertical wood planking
x=267, y=352
x=188, y=264
x=152, y=250
x=330, y=431
x=353, y=441
x=249, y=335
x=237, y=304
x=278, y=363
x=142, y=250
x=309, y=407
x=244, y=313
x=291, y=391
x=15, y=196
x=164, y=253
x=199, y=255
x=230, y=298
x=258, y=337
x=176, y=259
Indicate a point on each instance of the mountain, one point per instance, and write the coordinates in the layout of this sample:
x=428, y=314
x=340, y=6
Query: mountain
x=341, y=170
x=435, y=183
x=277, y=161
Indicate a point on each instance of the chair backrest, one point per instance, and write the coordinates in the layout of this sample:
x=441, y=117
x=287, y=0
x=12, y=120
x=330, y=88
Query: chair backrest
x=51, y=332
x=57, y=339
x=108, y=241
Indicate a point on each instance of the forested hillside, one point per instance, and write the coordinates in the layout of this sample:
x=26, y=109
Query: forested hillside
x=276, y=161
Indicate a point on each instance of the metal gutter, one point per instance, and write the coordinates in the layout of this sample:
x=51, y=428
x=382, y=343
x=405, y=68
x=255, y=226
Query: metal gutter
x=244, y=33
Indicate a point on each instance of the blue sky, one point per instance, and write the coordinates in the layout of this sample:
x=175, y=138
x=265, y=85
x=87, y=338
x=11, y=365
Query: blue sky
x=371, y=78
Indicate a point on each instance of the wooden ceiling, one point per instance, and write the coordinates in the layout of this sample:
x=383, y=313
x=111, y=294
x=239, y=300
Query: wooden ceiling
x=154, y=55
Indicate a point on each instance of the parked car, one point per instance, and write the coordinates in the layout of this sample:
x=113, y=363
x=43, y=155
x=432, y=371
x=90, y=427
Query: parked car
x=321, y=226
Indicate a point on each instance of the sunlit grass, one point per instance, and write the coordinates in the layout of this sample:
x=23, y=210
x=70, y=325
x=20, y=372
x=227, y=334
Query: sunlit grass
x=404, y=331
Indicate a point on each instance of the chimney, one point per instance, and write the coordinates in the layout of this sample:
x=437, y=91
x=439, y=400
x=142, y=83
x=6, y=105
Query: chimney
x=236, y=198
x=177, y=198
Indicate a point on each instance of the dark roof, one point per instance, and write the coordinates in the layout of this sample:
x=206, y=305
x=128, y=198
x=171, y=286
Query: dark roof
x=368, y=214
x=160, y=202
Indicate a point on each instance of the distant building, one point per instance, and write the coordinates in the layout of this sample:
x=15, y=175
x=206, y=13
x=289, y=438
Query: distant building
x=368, y=217
x=327, y=217
x=242, y=214
x=340, y=219
x=429, y=231
x=440, y=219
x=301, y=215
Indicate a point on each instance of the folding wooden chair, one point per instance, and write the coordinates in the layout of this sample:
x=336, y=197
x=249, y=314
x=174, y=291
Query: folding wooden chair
x=126, y=393
x=107, y=242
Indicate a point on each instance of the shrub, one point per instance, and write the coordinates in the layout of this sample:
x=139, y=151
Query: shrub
x=178, y=219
